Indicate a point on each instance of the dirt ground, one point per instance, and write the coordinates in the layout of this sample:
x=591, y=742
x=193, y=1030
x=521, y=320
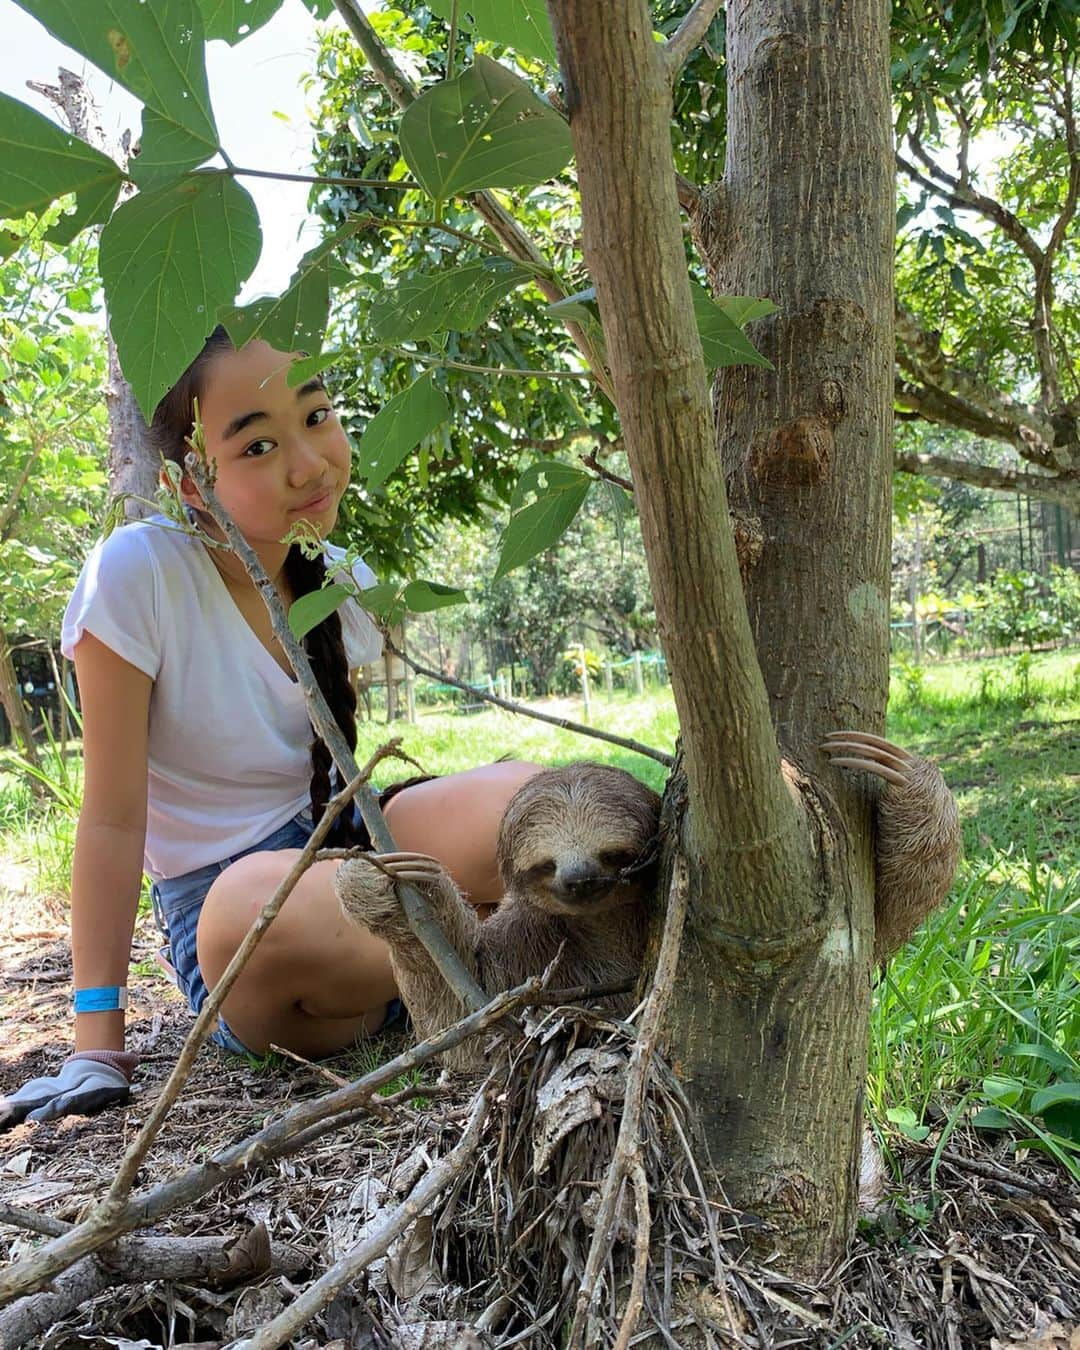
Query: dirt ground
x=988, y=1257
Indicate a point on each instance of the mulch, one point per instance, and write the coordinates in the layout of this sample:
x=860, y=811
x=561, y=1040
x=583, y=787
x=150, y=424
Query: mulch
x=984, y=1254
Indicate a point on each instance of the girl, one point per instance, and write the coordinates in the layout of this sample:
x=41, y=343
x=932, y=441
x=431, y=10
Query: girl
x=196, y=747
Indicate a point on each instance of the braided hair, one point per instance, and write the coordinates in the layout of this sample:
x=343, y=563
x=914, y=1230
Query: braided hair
x=171, y=424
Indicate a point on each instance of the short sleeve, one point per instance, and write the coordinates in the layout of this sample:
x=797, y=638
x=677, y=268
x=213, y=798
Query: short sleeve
x=115, y=599
x=363, y=641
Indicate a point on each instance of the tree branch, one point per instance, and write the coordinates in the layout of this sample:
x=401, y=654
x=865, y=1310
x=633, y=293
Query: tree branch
x=1063, y=491
x=685, y=41
x=499, y=221
x=295, y=1130
x=441, y=1175
x=421, y=920
x=624, y=742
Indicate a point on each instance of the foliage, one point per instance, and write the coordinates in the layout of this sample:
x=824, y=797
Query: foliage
x=52, y=423
x=1023, y=608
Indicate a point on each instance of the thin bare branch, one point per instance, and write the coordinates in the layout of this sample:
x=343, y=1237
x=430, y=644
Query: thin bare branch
x=449, y=963
x=624, y=742
x=687, y=38
x=282, y=1328
x=627, y=1146
x=1064, y=491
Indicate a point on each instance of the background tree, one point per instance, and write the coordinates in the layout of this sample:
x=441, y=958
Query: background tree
x=52, y=440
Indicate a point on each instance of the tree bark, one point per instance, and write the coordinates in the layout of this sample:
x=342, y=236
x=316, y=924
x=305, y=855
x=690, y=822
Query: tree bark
x=133, y=468
x=767, y=1029
x=14, y=707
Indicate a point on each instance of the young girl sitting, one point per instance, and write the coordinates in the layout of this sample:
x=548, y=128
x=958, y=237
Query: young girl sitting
x=199, y=760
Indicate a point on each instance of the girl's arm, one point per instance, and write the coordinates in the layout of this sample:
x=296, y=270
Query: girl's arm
x=107, y=872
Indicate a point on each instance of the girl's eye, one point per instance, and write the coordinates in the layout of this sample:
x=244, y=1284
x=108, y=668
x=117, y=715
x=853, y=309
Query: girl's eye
x=257, y=449
x=318, y=416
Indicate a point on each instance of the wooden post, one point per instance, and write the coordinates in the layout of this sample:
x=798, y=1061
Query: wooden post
x=609, y=681
x=587, y=708
x=639, y=683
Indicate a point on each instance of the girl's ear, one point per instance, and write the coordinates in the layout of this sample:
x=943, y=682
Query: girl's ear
x=189, y=493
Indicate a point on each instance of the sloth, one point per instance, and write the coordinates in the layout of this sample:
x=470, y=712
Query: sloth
x=577, y=853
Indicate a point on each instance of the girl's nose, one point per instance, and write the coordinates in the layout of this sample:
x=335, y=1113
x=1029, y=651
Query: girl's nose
x=305, y=463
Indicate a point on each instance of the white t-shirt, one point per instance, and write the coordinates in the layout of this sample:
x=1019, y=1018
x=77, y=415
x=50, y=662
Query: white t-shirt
x=229, y=736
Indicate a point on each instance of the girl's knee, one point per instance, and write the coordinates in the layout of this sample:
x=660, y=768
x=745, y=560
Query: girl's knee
x=234, y=900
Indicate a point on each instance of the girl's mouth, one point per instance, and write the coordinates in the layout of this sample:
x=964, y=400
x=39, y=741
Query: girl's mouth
x=319, y=503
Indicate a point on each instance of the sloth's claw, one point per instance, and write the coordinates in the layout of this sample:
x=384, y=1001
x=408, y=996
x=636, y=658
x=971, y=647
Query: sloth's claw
x=864, y=753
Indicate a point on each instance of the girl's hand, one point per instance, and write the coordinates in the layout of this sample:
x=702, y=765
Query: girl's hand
x=86, y=1083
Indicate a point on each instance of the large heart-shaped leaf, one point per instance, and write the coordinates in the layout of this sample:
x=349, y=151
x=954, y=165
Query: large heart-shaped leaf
x=398, y=427
x=42, y=162
x=170, y=260
x=310, y=610
x=234, y=20
x=484, y=129
x=154, y=50
x=457, y=299
x=295, y=320
x=521, y=24
x=558, y=491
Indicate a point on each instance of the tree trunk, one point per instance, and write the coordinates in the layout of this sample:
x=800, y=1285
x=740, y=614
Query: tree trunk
x=767, y=1029
x=11, y=697
x=133, y=469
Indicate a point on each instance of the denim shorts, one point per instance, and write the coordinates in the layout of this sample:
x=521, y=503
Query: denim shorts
x=178, y=901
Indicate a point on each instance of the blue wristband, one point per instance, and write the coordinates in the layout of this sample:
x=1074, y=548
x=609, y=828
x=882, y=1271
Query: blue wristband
x=109, y=998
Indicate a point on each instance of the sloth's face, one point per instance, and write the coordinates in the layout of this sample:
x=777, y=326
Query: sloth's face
x=581, y=884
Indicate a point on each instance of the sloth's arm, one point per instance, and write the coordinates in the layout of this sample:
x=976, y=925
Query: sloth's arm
x=368, y=897
x=918, y=834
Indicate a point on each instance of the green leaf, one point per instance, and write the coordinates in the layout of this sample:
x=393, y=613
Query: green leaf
x=1003, y=1091
x=233, y=20
x=1049, y=1054
x=907, y=1123
x=744, y=309
x=383, y=601
x=154, y=50
x=423, y=596
x=296, y=319
x=165, y=152
x=559, y=491
x=457, y=299
x=990, y=1118
x=42, y=162
x=521, y=24
x=580, y=307
x=170, y=260
x=484, y=129
x=398, y=427
x=310, y=610
x=722, y=340
x=1055, y=1095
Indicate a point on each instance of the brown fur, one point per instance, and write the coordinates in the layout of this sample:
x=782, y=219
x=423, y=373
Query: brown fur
x=564, y=840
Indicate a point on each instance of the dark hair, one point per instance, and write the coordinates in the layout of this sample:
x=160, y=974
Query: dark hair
x=172, y=423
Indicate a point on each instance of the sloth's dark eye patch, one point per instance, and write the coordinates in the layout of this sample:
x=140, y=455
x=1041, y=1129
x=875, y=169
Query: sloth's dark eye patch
x=540, y=870
x=618, y=857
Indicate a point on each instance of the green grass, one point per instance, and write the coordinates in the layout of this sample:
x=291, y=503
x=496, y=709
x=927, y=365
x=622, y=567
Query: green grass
x=979, y=1018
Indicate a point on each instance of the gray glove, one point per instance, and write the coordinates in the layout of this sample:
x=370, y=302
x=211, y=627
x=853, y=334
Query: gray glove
x=86, y=1083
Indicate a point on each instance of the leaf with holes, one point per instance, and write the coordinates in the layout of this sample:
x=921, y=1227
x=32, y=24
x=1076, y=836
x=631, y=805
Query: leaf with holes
x=170, y=260
x=154, y=50
x=534, y=526
x=484, y=129
x=456, y=299
x=398, y=427
x=294, y=321
x=42, y=162
x=521, y=24
x=234, y=20
x=309, y=610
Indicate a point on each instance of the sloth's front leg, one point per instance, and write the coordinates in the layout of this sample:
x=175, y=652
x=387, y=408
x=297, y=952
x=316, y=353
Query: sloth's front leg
x=366, y=890
x=918, y=834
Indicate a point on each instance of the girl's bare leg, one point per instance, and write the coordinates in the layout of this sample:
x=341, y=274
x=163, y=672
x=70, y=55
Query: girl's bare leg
x=316, y=980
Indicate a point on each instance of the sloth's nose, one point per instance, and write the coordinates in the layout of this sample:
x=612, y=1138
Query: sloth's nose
x=582, y=881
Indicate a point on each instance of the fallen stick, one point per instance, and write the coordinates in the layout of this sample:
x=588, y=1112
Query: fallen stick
x=293, y=1131
x=133, y=1260
x=283, y=1327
